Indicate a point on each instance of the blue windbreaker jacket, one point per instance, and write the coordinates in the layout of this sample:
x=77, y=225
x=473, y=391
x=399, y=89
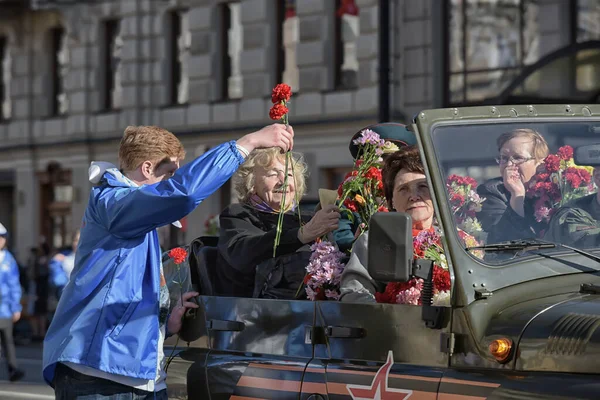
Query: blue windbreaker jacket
x=10, y=286
x=58, y=277
x=107, y=317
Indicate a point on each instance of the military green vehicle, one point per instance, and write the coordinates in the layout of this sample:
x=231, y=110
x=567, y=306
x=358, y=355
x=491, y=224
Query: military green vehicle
x=523, y=317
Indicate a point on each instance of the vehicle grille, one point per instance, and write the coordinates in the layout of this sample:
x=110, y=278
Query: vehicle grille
x=571, y=334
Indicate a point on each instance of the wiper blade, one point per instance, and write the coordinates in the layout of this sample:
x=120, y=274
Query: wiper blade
x=515, y=245
x=531, y=244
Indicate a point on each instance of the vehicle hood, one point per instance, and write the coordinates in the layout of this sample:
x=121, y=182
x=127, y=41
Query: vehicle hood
x=556, y=333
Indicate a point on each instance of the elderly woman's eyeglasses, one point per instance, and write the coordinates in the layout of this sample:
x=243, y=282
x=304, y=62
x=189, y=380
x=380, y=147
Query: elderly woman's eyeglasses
x=515, y=160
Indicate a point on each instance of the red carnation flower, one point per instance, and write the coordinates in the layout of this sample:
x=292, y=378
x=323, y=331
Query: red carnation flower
x=178, y=255
x=461, y=181
x=281, y=92
x=552, y=163
x=383, y=209
x=307, y=278
x=457, y=199
x=577, y=176
x=573, y=179
x=278, y=111
x=350, y=205
x=565, y=153
x=373, y=173
x=441, y=278
x=391, y=291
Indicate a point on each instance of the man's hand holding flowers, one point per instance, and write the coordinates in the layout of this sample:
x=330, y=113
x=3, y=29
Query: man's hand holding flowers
x=274, y=135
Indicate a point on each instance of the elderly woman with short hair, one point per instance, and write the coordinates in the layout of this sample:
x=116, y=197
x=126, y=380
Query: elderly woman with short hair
x=245, y=263
x=406, y=190
x=505, y=215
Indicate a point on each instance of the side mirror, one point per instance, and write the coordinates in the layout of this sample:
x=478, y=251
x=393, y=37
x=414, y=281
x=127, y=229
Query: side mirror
x=588, y=155
x=390, y=247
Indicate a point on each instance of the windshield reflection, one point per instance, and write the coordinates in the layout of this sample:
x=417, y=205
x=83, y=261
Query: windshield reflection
x=507, y=182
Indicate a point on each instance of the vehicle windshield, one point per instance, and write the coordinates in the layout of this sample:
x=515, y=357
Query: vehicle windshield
x=521, y=181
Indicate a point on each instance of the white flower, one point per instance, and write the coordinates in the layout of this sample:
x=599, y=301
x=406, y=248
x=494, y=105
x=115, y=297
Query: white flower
x=443, y=262
x=471, y=225
x=389, y=147
x=442, y=298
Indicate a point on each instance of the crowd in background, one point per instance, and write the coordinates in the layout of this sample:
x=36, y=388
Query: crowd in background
x=42, y=276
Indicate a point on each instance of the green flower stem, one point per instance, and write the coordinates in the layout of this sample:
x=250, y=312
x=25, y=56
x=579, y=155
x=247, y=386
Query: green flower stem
x=282, y=208
x=172, y=355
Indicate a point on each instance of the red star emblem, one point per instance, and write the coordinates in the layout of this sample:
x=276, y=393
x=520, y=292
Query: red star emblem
x=379, y=387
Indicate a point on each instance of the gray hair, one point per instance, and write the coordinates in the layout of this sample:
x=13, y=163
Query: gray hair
x=243, y=180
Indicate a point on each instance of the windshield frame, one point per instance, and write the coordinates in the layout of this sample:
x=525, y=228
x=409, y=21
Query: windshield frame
x=470, y=272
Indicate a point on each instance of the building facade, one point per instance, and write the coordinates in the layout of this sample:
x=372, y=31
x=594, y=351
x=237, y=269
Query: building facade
x=74, y=74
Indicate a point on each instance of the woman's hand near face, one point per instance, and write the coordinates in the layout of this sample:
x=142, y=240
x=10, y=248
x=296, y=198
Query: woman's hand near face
x=513, y=181
x=323, y=222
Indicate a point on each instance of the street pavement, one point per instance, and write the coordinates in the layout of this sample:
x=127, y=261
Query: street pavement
x=32, y=386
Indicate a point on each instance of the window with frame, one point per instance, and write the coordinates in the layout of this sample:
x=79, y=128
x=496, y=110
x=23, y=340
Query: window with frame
x=5, y=80
x=113, y=44
x=346, y=29
x=338, y=47
x=180, y=42
x=59, y=65
x=588, y=20
x=280, y=9
x=230, y=35
x=489, y=44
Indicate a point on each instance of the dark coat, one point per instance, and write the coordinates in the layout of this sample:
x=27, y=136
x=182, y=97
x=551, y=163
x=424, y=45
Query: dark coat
x=245, y=263
x=499, y=220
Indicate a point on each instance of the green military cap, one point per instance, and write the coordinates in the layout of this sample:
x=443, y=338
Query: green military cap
x=390, y=131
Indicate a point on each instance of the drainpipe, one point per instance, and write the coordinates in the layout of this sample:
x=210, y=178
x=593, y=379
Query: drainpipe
x=384, y=60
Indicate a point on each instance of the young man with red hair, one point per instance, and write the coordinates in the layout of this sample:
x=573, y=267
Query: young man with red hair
x=107, y=334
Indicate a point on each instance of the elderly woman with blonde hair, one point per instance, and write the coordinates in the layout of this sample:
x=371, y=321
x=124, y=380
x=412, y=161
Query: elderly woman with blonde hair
x=246, y=266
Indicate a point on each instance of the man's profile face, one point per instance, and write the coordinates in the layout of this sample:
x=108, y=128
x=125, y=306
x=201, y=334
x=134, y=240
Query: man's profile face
x=164, y=170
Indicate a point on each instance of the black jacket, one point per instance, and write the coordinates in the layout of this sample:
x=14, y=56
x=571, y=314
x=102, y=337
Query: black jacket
x=245, y=264
x=499, y=220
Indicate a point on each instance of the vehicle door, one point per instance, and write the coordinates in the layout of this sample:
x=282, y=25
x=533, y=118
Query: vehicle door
x=372, y=350
x=186, y=357
x=186, y=353
x=259, y=348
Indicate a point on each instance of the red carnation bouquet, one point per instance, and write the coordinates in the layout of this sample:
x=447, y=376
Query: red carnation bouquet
x=361, y=191
x=426, y=245
x=465, y=203
x=557, y=182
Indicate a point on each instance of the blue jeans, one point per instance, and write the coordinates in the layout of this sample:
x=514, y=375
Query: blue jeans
x=72, y=385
